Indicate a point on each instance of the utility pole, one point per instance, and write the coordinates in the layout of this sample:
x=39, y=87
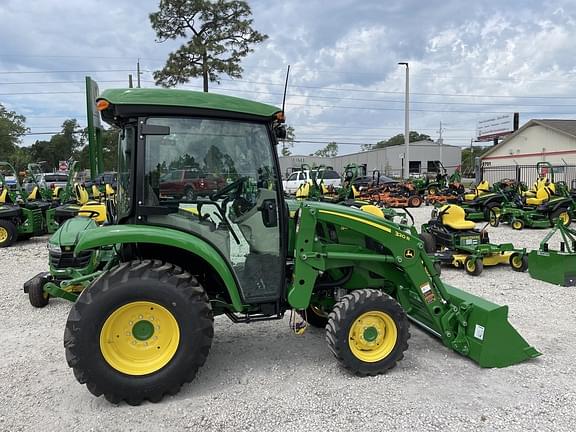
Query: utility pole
x=130, y=84
x=441, y=142
x=407, y=123
x=138, y=73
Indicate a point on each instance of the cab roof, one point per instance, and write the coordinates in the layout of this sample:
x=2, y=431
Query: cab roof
x=133, y=101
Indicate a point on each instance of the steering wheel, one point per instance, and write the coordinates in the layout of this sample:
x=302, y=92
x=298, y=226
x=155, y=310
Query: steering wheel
x=89, y=213
x=225, y=191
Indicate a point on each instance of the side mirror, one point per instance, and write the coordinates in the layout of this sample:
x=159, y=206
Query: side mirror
x=280, y=131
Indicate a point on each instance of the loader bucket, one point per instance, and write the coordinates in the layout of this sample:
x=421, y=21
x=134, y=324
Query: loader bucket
x=558, y=268
x=491, y=339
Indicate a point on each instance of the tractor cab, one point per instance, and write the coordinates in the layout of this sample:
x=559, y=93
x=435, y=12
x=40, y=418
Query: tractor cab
x=236, y=208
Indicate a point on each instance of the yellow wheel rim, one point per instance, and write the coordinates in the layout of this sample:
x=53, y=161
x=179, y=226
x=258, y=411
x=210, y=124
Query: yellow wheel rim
x=372, y=336
x=470, y=265
x=564, y=217
x=517, y=225
x=139, y=338
x=516, y=261
x=3, y=234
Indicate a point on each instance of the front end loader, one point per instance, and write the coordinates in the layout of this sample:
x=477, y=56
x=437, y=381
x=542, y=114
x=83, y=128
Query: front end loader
x=143, y=328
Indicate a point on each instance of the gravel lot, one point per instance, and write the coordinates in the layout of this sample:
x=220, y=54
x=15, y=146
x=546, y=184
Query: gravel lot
x=260, y=377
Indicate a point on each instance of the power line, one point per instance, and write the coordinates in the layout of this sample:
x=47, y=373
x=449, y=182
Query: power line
x=66, y=71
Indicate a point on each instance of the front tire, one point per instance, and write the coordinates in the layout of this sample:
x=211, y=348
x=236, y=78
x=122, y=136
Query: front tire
x=368, y=332
x=519, y=262
x=561, y=214
x=8, y=233
x=473, y=266
x=36, y=295
x=139, y=332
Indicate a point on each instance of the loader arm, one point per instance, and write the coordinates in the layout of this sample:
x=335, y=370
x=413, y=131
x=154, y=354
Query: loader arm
x=470, y=325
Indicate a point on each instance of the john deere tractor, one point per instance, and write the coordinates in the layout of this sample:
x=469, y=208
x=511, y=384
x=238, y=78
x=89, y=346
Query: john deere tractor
x=143, y=328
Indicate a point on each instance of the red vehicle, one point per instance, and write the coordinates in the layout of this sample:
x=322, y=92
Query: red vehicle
x=189, y=183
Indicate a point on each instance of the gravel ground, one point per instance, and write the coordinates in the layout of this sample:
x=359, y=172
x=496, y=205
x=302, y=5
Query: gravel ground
x=260, y=377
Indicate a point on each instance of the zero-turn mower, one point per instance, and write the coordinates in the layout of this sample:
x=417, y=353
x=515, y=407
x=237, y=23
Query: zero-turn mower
x=453, y=240
x=143, y=328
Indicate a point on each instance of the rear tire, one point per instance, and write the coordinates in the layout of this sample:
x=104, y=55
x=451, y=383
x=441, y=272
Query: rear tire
x=414, y=201
x=473, y=266
x=8, y=233
x=135, y=304
x=368, y=332
x=519, y=262
x=562, y=214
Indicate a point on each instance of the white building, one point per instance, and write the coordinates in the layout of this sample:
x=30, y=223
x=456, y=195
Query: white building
x=424, y=156
x=551, y=141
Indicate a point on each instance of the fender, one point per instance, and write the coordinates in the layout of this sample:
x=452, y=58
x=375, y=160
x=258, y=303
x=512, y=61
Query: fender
x=118, y=234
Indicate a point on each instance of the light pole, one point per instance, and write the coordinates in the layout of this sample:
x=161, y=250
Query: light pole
x=407, y=123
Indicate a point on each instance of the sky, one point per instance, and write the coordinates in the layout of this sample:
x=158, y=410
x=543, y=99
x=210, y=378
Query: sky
x=468, y=61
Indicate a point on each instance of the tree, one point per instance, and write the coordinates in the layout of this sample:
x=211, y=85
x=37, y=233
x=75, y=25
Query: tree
x=288, y=142
x=109, y=150
x=413, y=136
x=12, y=127
x=220, y=35
x=469, y=155
x=330, y=150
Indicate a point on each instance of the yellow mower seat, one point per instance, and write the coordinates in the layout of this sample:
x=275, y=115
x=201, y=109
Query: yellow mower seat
x=86, y=210
x=109, y=190
x=482, y=188
x=3, y=196
x=372, y=209
x=455, y=217
x=303, y=190
x=96, y=194
x=33, y=196
x=542, y=196
x=81, y=194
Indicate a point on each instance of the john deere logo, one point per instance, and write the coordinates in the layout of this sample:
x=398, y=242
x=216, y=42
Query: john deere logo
x=409, y=253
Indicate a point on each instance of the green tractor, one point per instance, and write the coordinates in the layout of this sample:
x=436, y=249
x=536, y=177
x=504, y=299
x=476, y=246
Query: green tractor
x=143, y=328
x=21, y=219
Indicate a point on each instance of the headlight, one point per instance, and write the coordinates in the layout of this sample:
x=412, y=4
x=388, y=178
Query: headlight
x=53, y=248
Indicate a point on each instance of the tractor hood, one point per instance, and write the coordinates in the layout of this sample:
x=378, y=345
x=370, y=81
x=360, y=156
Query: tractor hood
x=68, y=233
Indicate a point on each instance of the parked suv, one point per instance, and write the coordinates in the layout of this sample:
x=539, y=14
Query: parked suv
x=189, y=183
x=294, y=180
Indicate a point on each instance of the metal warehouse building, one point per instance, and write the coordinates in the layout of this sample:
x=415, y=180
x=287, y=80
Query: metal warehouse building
x=424, y=156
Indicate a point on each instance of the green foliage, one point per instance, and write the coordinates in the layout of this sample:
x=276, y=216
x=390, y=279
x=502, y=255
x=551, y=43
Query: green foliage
x=413, y=136
x=219, y=35
x=109, y=151
x=60, y=147
x=330, y=150
x=288, y=142
x=12, y=127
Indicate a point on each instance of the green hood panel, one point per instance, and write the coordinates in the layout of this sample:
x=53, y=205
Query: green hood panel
x=68, y=234
x=188, y=99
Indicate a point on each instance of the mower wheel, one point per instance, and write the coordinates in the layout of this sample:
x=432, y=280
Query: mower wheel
x=414, y=201
x=492, y=208
x=432, y=190
x=494, y=219
x=139, y=332
x=429, y=242
x=8, y=233
x=368, y=332
x=473, y=266
x=561, y=214
x=519, y=262
x=517, y=224
x=36, y=294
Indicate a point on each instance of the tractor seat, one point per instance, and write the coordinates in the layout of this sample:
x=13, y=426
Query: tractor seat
x=33, y=196
x=96, y=194
x=3, y=196
x=454, y=217
x=482, y=188
x=542, y=195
